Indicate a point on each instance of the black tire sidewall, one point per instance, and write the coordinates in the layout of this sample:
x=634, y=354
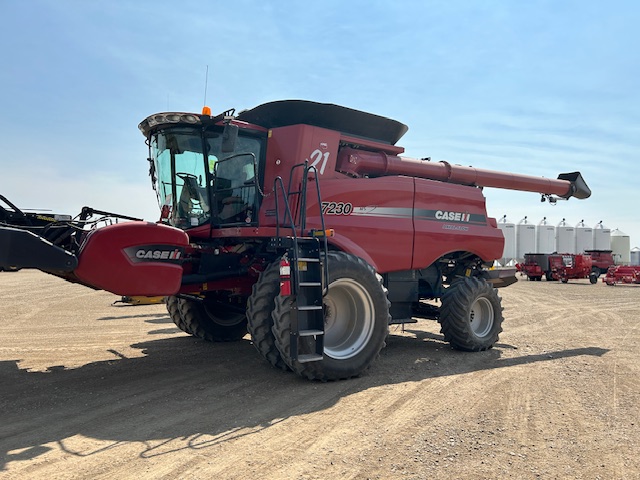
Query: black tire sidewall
x=260, y=308
x=341, y=265
x=198, y=320
x=173, y=307
x=454, y=315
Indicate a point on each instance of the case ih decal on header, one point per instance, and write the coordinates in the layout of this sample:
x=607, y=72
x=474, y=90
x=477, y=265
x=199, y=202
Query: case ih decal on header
x=154, y=253
x=299, y=223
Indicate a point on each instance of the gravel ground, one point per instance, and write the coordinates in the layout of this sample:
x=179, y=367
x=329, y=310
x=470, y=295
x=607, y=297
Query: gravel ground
x=94, y=390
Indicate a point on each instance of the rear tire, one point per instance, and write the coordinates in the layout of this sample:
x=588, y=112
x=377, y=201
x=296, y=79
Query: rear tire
x=260, y=306
x=471, y=315
x=356, y=312
x=212, y=320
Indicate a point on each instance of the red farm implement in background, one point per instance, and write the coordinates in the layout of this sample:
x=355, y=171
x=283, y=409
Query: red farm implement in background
x=569, y=266
x=536, y=266
x=628, y=274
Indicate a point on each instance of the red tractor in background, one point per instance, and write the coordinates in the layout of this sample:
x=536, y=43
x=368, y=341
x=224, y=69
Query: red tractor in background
x=301, y=224
x=567, y=266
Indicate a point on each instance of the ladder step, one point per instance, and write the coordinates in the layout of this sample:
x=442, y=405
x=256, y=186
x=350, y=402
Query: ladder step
x=310, y=333
x=310, y=284
x=309, y=260
x=309, y=357
x=309, y=307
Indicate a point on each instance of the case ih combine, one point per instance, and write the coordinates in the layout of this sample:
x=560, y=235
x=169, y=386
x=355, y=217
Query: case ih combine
x=300, y=223
x=601, y=260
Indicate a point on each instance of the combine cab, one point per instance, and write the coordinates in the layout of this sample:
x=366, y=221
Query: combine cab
x=301, y=224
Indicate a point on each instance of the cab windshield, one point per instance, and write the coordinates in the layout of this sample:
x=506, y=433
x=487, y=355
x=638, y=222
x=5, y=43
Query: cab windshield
x=197, y=183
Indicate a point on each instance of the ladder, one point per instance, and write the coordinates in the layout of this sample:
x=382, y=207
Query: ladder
x=306, y=252
x=307, y=315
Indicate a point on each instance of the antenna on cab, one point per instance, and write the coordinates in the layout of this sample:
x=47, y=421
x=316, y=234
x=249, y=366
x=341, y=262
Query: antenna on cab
x=206, y=110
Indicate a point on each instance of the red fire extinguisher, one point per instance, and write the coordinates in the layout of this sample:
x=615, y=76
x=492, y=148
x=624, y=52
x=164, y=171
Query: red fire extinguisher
x=285, y=276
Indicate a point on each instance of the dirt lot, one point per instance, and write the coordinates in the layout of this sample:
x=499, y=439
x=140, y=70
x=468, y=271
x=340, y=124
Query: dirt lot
x=93, y=390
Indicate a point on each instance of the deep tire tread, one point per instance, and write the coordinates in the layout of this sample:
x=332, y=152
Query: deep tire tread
x=260, y=306
x=197, y=321
x=454, y=314
x=324, y=370
x=174, y=312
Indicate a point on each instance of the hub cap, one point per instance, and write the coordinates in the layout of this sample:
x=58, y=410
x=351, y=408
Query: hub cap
x=481, y=317
x=348, y=319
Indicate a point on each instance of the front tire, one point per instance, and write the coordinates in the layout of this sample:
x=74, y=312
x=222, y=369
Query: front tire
x=260, y=306
x=173, y=307
x=471, y=315
x=593, y=278
x=212, y=319
x=356, y=316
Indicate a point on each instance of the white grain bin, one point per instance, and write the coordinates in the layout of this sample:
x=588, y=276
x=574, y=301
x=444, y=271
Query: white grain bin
x=584, y=237
x=545, y=237
x=601, y=237
x=565, y=240
x=509, y=232
x=621, y=247
x=635, y=256
x=525, y=238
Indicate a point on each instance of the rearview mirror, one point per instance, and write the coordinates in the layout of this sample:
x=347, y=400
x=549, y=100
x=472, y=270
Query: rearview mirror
x=229, y=137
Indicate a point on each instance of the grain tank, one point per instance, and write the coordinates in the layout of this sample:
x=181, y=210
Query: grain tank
x=565, y=238
x=509, y=232
x=621, y=247
x=545, y=237
x=525, y=238
x=583, y=237
x=601, y=237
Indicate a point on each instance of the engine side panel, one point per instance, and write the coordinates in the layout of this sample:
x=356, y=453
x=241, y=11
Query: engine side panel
x=404, y=223
x=452, y=218
x=372, y=218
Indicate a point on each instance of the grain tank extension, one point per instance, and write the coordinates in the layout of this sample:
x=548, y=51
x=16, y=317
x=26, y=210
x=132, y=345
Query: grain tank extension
x=300, y=224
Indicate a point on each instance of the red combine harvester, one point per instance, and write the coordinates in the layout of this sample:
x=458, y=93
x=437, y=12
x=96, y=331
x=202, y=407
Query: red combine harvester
x=567, y=266
x=601, y=260
x=300, y=223
x=628, y=274
x=536, y=266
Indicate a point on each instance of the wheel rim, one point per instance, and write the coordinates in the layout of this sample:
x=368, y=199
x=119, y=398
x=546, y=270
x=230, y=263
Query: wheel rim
x=481, y=317
x=348, y=319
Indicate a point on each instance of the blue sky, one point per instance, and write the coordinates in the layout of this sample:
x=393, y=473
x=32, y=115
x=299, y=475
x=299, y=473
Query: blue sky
x=538, y=87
